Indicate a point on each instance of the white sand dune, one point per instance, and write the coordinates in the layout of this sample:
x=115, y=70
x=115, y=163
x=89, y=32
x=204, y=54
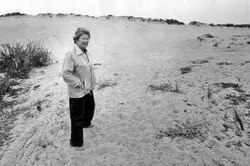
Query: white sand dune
x=129, y=116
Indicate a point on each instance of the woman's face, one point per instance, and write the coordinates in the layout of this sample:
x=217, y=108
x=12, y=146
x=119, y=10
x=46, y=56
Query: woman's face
x=83, y=41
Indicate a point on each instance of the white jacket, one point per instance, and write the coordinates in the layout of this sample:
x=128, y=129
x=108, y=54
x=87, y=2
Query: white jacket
x=78, y=73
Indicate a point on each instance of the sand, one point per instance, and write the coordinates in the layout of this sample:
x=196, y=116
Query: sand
x=132, y=119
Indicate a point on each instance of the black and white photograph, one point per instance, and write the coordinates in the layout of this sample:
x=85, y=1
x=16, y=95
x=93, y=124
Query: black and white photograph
x=124, y=82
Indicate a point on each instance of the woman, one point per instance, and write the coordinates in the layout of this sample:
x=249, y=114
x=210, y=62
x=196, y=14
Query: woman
x=78, y=73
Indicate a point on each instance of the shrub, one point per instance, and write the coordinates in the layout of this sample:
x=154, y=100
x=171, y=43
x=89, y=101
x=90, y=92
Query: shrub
x=38, y=55
x=17, y=60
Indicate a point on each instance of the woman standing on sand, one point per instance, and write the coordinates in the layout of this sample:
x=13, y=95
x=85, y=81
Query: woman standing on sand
x=78, y=73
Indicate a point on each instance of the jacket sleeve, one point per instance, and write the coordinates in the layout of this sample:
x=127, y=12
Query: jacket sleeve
x=67, y=72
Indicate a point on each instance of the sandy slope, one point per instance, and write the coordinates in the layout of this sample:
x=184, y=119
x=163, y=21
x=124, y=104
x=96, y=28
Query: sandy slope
x=129, y=116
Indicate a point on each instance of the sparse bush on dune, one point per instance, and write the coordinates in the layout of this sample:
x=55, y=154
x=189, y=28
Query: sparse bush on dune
x=46, y=14
x=185, y=70
x=4, y=86
x=200, y=61
x=166, y=87
x=224, y=63
x=205, y=36
x=237, y=118
x=17, y=60
x=196, y=23
x=238, y=99
x=109, y=16
x=61, y=15
x=189, y=129
x=235, y=86
x=78, y=15
x=209, y=92
x=38, y=55
x=106, y=83
x=216, y=44
x=13, y=14
x=246, y=62
x=13, y=61
x=234, y=25
x=153, y=20
x=173, y=21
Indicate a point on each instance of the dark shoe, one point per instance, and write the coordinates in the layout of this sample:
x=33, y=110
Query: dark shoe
x=75, y=145
x=91, y=125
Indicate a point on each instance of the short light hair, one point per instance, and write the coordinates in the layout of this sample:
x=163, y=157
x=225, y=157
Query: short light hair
x=79, y=32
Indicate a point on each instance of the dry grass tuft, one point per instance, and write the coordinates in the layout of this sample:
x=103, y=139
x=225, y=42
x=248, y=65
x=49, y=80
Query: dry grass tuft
x=200, y=61
x=224, y=63
x=235, y=86
x=188, y=130
x=167, y=87
x=106, y=83
x=238, y=118
x=185, y=70
x=237, y=99
x=243, y=63
x=38, y=105
x=209, y=92
x=205, y=36
x=6, y=87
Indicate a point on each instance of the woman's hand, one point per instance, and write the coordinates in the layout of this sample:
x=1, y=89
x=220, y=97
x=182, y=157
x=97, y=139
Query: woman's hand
x=82, y=86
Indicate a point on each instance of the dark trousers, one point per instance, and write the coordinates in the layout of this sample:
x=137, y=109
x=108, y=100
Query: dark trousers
x=81, y=115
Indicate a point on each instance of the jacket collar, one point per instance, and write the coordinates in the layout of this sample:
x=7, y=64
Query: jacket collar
x=78, y=51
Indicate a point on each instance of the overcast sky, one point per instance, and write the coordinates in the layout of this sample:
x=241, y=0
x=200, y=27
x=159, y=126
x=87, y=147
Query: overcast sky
x=210, y=11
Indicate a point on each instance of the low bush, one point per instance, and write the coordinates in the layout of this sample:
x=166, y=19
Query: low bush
x=17, y=60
